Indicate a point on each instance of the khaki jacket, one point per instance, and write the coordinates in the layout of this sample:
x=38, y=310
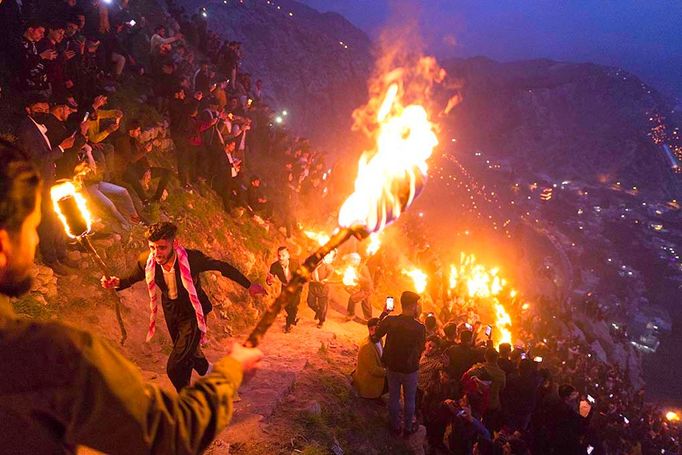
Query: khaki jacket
x=61, y=387
x=369, y=376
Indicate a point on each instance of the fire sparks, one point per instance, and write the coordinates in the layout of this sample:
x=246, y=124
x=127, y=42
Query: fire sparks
x=419, y=278
x=392, y=175
x=350, y=276
x=71, y=209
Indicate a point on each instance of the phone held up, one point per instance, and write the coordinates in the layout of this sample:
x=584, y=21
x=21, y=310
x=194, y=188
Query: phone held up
x=390, y=303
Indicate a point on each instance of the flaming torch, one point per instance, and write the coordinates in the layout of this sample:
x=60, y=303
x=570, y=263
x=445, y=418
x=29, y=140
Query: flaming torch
x=418, y=277
x=389, y=179
x=73, y=212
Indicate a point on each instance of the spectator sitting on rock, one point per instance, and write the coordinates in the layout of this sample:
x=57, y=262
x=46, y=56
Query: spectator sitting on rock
x=258, y=201
x=369, y=377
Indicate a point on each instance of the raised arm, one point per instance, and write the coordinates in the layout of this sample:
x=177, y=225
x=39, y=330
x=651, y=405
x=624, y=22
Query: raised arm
x=141, y=417
x=205, y=263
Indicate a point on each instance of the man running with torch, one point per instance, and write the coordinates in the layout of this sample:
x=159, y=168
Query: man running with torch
x=62, y=387
x=173, y=271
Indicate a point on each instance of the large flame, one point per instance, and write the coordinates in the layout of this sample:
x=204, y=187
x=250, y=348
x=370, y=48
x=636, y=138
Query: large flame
x=503, y=324
x=419, y=279
x=392, y=175
x=63, y=191
x=350, y=276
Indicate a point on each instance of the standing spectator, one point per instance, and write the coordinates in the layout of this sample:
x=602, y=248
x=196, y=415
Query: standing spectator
x=182, y=128
x=284, y=269
x=360, y=292
x=462, y=356
x=521, y=395
x=568, y=422
x=318, y=289
x=32, y=137
x=33, y=78
x=159, y=39
x=405, y=338
x=493, y=414
x=369, y=377
x=430, y=363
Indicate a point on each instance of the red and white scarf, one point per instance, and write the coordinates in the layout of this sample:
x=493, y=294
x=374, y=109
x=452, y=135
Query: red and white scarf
x=187, y=282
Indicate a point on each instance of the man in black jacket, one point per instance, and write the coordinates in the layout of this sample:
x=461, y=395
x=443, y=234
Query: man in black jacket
x=32, y=138
x=283, y=268
x=179, y=312
x=405, y=340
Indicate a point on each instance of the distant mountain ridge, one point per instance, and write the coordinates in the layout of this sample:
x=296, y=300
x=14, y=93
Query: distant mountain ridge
x=566, y=120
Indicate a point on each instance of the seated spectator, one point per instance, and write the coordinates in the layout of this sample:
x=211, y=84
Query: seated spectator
x=32, y=137
x=159, y=39
x=405, y=339
x=56, y=68
x=96, y=134
x=59, y=131
x=369, y=377
x=133, y=166
x=33, y=75
x=257, y=200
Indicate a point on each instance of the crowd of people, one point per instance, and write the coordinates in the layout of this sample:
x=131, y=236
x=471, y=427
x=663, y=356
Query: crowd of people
x=61, y=62
x=547, y=395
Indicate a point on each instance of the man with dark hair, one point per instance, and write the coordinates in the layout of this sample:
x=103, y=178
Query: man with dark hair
x=32, y=138
x=63, y=387
x=283, y=268
x=318, y=289
x=174, y=272
x=33, y=77
x=369, y=377
x=462, y=356
x=568, y=422
x=405, y=340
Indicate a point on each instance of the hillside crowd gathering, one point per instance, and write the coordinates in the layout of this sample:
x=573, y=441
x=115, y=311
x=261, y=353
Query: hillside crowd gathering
x=64, y=62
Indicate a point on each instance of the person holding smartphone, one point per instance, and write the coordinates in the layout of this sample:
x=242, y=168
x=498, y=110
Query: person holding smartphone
x=405, y=341
x=568, y=422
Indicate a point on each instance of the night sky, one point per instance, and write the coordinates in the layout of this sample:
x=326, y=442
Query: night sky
x=644, y=37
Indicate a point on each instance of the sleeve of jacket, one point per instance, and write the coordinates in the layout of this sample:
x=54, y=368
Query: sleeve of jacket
x=111, y=409
x=383, y=327
x=134, y=275
x=202, y=263
x=368, y=358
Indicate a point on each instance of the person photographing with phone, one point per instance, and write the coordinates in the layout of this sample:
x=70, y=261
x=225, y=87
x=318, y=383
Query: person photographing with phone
x=405, y=340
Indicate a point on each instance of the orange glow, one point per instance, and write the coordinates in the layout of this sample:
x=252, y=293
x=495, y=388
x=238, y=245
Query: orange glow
x=525, y=306
x=350, y=276
x=392, y=174
x=672, y=416
x=503, y=324
x=63, y=190
x=419, y=279
x=320, y=237
x=453, y=277
x=374, y=243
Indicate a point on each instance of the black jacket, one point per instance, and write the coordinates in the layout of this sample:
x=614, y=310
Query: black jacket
x=405, y=339
x=198, y=263
x=44, y=155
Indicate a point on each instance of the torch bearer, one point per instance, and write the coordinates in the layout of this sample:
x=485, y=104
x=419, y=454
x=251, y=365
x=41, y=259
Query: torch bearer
x=73, y=212
x=389, y=179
